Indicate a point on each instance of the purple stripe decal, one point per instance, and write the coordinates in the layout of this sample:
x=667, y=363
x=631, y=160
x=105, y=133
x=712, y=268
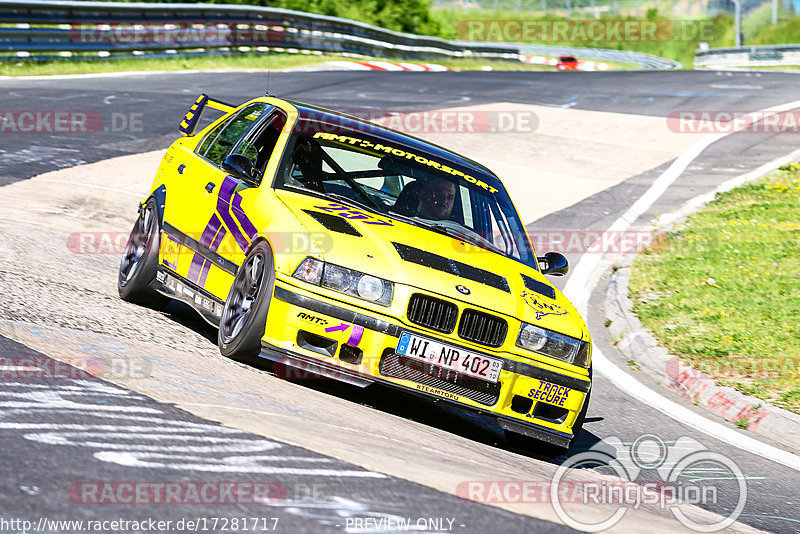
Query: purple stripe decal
x=198, y=266
x=218, y=239
x=201, y=280
x=214, y=246
x=223, y=208
x=355, y=335
x=211, y=230
x=195, y=267
x=240, y=215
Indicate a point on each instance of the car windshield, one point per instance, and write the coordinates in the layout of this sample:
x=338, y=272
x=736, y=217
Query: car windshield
x=428, y=188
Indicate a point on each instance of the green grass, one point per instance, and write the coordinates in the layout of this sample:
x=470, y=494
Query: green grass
x=786, y=31
x=723, y=291
x=254, y=61
x=272, y=61
x=757, y=19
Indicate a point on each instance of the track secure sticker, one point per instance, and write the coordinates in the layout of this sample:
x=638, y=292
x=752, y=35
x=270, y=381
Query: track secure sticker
x=540, y=306
x=550, y=393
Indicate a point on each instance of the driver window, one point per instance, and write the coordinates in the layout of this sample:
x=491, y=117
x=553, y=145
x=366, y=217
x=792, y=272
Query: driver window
x=259, y=147
x=221, y=146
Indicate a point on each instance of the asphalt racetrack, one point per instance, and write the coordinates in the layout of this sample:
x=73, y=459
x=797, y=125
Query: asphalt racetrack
x=576, y=150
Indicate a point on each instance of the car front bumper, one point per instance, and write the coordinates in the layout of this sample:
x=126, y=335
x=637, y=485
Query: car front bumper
x=314, y=335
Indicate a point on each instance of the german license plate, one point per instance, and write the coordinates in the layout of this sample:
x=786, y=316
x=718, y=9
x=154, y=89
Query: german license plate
x=449, y=357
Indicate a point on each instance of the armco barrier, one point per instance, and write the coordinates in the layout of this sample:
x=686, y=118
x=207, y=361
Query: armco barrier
x=71, y=29
x=748, y=56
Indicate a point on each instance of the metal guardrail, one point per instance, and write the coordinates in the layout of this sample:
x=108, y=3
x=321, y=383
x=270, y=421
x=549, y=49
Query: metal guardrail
x=46, y=30
x=748, y=56
x=123, y=29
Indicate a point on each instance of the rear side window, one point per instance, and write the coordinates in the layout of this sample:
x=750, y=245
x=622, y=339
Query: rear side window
x=223, y=138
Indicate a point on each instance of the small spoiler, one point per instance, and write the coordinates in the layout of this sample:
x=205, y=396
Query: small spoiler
x=192, y=117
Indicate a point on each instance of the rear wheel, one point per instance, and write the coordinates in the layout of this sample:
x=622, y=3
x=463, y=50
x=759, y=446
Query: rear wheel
x=244, y=316
x=137, y=269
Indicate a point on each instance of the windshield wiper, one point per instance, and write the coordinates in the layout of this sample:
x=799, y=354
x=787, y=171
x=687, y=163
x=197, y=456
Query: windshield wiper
x=449, y=232
x=418, y=222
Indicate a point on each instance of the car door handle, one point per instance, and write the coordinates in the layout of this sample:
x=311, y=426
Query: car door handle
x=181, y=168
x=210, y=186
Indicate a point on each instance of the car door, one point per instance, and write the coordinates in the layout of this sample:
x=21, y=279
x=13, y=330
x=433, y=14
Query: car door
x=193, y=229
x=229, y=230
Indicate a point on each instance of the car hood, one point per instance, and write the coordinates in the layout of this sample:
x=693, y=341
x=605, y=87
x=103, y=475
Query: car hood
x=437, y=263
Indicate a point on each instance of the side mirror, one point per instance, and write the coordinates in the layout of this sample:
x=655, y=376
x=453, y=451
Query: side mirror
x=553, y=263
x=241, y=167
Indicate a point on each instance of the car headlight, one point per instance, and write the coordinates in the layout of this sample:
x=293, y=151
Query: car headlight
x=349, y=281
x=553, y=344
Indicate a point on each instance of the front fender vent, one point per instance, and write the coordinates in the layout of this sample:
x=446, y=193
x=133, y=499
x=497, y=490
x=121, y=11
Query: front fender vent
x=538, y=287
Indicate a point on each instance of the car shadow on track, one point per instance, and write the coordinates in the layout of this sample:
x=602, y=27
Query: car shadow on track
x=443, y=416
x=184, y=315
x=431, y=412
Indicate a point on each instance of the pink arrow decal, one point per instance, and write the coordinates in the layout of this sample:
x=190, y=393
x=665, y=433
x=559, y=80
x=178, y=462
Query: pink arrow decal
x=341, y=328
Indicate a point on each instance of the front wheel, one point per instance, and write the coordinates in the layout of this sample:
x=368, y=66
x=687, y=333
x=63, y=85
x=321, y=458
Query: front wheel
x=139, y=263
x=244, y=316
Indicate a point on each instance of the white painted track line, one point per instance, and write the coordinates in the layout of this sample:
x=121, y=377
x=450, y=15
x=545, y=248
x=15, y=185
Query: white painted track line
x=635, y=389
x=579, y=287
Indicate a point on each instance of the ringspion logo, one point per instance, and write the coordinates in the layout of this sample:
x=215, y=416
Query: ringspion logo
x=685, y=472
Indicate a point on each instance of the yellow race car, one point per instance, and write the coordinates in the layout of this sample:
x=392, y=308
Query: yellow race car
x=324, y=242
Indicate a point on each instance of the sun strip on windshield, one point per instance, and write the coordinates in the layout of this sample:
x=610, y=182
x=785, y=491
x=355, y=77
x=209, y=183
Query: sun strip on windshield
x=397, y=152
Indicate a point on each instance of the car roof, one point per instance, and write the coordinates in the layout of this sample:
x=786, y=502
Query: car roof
x=349, y=122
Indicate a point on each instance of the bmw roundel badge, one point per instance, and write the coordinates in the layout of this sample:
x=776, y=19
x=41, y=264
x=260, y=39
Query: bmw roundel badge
x=463, y=289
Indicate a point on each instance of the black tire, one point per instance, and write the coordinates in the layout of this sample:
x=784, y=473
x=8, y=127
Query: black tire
x=244, y=316
x=137, y=269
